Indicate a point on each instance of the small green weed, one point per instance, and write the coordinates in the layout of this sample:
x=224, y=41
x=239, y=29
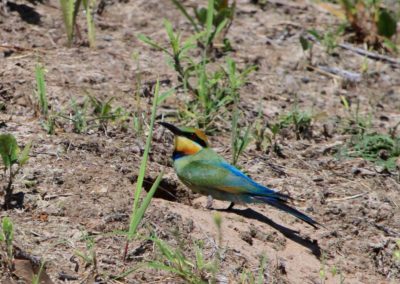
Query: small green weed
x=13, y=159
x=213, y=21
x=6, y=241
x=92, y=113
x=249, y=277
x=378, y=148
x=49, y=124
x=79, y=116
x=174, y=261
x=36, y=277
x=103, y=112
x=197, y=271
x=70, y=10
x=89, y=255
x=382, y=149
x=41, y=90
x=396, y=253
x=355, y=123
x=266, y=133
x=299, y=120
x=212, y=89
x=335, y=271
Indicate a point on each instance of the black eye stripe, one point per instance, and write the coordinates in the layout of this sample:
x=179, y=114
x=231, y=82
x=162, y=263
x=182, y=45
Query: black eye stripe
x=195, y=138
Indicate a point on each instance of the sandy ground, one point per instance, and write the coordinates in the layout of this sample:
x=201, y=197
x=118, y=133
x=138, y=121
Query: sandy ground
x=82, y=184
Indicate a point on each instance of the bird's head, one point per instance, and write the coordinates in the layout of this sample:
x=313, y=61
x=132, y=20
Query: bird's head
x=188, y=141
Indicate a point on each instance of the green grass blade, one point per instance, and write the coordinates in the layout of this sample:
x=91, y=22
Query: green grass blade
x=88, y=4
x=140, y=213
x=186, y=14
x=41, y=90
x=143, y=164
x=174, y=39
x=209, y=22
x=165, y=95
x=70, y=10
x=220, y=27
x=152, y=43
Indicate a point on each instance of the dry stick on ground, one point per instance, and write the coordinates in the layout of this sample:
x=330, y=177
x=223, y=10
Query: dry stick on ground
x=336, y=73
x=318, y=70
x=372, y=55
x=20, y=49
x=348, y=197
x=348, y=75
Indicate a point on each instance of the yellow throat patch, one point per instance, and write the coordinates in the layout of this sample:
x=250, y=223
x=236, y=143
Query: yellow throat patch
x=186, y=146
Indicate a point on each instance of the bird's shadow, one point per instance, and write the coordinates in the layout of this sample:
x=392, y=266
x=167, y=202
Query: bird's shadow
x=312, y=245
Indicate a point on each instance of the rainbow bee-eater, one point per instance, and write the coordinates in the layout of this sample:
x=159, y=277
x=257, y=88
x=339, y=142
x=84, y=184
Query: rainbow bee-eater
x=201, y=169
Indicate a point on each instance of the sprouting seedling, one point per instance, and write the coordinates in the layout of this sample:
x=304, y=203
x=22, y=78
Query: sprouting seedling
x=89, y=255
x=213, y=90
x=13, y=159
x=49, y=124
x=6, y=239
x=215, y=20
x=103, y=111
x=299, y=120
x=70, y=10
x=36, y=277
x=78, y=117
x=181, y=62
x=396, y=253
x=41, y=90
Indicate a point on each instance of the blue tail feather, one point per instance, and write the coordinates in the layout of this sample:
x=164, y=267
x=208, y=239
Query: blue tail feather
x=277, y=203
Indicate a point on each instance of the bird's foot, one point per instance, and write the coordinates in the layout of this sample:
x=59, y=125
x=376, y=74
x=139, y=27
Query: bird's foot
x=209, y=204
x=230, y=206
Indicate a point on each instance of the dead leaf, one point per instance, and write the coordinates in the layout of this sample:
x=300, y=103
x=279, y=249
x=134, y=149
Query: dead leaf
x=25, y=271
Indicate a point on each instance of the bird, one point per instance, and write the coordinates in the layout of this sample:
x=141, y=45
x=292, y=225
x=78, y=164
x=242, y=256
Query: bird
x=203, y=171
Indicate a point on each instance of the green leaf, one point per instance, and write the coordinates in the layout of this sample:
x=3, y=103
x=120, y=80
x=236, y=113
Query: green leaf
x=165, y=95
x=186, y=14
x=210, y=18
x=387, y=24
x=201, y=15
x=219, y=28
x=152, y=43
x=24, y=155
x=41, y=89
x=305, y=43
x=8, y=149
x=8, y=230
x=174, y=39
x=315, y=34
x=137, y=212
x=140, y=213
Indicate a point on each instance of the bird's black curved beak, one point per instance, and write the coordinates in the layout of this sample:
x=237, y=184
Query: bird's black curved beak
x=171, y=128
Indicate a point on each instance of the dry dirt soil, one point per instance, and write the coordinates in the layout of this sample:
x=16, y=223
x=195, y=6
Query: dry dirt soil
x=77, y=185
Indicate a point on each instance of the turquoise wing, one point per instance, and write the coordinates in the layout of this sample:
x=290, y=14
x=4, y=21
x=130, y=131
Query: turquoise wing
x=221, y=176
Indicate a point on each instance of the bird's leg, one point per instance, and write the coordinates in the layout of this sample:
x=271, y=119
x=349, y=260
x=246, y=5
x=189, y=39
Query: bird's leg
x=209, y=202
x=230, y=206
